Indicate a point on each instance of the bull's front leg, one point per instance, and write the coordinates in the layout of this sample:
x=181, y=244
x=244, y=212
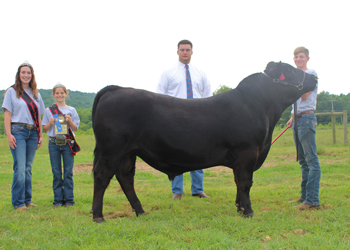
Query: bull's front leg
x=243, y=172
x=101, y=182
x=243, y=203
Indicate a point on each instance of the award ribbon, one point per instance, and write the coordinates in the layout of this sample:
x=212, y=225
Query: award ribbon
x=57, y=122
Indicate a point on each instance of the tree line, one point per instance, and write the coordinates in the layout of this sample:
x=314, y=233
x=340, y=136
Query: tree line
x=83, y=102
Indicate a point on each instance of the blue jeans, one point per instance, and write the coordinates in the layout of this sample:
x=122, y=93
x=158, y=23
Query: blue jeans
x=307, y=157
x=196, y=179
x=62, y=188
x=23, y=157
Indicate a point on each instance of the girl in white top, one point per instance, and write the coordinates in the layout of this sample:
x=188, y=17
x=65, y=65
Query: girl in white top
x=62, y=187
x=22, y=107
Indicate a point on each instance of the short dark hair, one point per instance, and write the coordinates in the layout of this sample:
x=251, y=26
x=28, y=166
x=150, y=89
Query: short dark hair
x=184, y=42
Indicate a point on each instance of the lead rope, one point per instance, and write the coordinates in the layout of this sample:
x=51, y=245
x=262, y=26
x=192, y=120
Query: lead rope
x=296, y=128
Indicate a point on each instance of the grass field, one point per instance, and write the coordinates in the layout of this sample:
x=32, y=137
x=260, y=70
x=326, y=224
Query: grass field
x=191, y=223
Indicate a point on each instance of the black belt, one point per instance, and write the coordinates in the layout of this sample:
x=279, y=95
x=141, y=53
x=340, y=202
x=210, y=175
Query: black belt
x=304, y=113
x=24, y=125
x=59, y=141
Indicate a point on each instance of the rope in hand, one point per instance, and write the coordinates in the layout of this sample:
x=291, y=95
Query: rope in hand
x=280, y=135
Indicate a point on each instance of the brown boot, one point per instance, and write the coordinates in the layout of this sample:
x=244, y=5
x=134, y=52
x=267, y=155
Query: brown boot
x=31, y=205
x=177, y=197
x=305, y=206
x=24, y=208
x=296, y=201
x=201, y=195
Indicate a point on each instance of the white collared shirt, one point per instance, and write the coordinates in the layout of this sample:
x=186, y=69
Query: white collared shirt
x=173, y=82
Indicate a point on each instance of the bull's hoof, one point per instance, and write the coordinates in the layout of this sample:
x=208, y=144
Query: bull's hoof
x=245, y=213
x=140, y=214
x=250, y=215
x=99, y=220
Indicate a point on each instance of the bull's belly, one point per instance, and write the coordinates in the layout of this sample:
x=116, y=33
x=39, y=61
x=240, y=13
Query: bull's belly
x=179, y=161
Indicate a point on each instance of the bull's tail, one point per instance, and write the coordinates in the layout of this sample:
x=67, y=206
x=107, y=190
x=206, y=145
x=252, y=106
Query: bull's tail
x=97, y=98
x=94, y=107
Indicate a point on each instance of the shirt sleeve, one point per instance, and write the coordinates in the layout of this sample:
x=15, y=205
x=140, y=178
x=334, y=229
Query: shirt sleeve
x=162, y=86
x=206, y=87
x=75, y=118
x=46, y=117
x=7, y=103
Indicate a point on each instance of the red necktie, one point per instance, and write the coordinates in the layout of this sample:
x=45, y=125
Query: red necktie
x=189, y=83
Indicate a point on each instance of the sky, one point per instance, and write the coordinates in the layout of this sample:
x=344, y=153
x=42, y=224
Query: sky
x=87, y=45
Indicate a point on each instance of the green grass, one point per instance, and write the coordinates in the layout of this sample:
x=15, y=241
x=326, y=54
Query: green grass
x=191, y=223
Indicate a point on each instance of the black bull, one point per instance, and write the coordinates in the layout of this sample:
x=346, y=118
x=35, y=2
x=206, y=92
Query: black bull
x=172, y=135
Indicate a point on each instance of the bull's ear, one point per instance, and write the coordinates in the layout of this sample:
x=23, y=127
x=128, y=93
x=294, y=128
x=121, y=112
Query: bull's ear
x=269, y=67
x=274, y=69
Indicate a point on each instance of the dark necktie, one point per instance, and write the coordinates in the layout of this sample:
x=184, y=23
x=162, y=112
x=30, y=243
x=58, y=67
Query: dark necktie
x=189, y=83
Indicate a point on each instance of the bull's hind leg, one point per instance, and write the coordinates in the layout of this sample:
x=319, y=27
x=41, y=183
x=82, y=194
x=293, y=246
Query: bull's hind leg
x=125, y=176
x=238, y=198
x=102, y=178
x=243, y=172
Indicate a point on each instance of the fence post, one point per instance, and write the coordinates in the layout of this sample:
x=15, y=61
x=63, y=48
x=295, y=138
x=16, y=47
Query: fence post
x=333, y=126
x=345, y=124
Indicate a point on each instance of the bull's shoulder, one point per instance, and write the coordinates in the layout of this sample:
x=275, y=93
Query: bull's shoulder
x=252, y=79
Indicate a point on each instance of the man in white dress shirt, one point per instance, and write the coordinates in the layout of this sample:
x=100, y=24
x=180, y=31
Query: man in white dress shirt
x=185, y=81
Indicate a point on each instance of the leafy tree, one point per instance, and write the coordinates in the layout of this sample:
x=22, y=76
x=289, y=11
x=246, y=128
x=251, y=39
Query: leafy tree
x=85, y=116
x=221, y=89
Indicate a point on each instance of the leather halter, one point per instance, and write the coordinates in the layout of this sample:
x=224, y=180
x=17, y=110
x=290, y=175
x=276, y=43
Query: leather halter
x=300, y=86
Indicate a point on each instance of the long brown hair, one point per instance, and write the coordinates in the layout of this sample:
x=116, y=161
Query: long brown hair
x=32, y=83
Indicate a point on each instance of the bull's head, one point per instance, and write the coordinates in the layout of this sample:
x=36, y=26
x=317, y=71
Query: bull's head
x=286, y=74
